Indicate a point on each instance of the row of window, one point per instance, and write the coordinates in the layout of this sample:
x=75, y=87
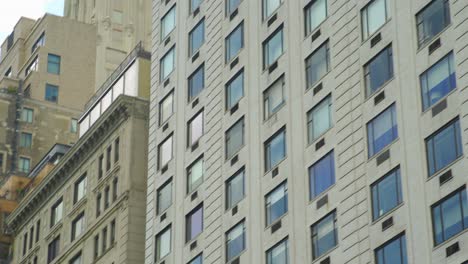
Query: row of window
x=27, y=116
x=109, y=158
x=53, y=65
x=101, y=248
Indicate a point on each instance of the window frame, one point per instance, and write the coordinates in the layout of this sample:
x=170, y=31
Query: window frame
x=265, y=14
x=27, y=115
x=228, y=56
x=395, y=134
x=271, y=112
x=266, y=145
x=53, y=249
x=266, y=44
x=390, y=241
x=227, y=138
x=76, y=188
x=284, y=241
x=191, y=49
x=190, y=188
x=160, y=151
x=395, y=172
x=51, y=88
x=54, y=217
x=21, y=161
x=367, y=72
x=311, y=176
x=190, y=82
x=170, y=52
x=310, y=118
x=447, y=15
x=269, y=221
x=228, y=9
x=75, y=233
x=309, y=62
x=244, y=240
x=240, y=173
x=170, y=95
x=159, y=209
x=26, y=140
x=157, y=256
x=228, y=87
x=315, y=234
x=188, y=223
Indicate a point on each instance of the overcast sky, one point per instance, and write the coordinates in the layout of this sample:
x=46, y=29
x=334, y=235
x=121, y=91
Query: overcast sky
x=11, y=11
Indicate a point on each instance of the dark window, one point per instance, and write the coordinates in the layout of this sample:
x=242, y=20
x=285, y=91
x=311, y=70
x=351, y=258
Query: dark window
x=276, y=203
x=324, y=235
x=194, y=223
x=104, y=239
x=386, y=193
x=78, y=226
x=100, y=166
x=378, y=71
x=318, y=64
x=116, y=150
x=197, y=37
x=275, y=149
x=373, y=17
x=51, y=93
x=31, y=237
x=53, y=64
x=432, y=20
x=25, y=243
x=108, y=158
x=38, y=230
x=235, y=138
x=322, y=175
x=196, y=82
x=112, y=232
x=234, y=42
x=115, y=184
x=392, y=252
x=382, y=130
x=53, y=249
x=96, y=246
x=235, y=189
x=98, y=204
x=106, y=197
x=76, y=259
x=235, y=90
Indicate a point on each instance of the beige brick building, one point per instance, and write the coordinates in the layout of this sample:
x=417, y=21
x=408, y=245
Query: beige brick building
x=308, y=131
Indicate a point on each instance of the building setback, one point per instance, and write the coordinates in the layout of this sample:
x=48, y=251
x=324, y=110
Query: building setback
x=308, y=132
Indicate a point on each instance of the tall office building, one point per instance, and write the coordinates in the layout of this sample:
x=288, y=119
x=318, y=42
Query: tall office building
x=285, y=131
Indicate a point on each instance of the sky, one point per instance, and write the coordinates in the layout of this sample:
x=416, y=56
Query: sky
x=12, y=11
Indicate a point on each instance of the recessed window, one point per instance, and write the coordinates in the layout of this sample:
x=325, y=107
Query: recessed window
x=74, y=125
x=98, y=204
x=115, y=184
x=235, y=138
x=163, y=244
x=164, y=197
x=196, y=82
x=2, y=162
x=386, y=194
x=25, y=243
x=38, y=230
x=195, y=175
x=197, y=260
x=106, y=197
x=231, y=6
x=324, y=235
x=432, y=20
x=235, y=189
x=166, y=108
x=318, y=64
x=382, y=130
x=167, y=64
x=39, y=42
x=235, y=90
x=27, y=115
x=78, y=226
x=197, y=37
x=276, y=204
x=76, y=259
x=270, y=6
x=319, y=119
x=373, y=16
x=444, y=147
x=112, y=232
x=31, y=236
x=194, y=223
x=234, y=42
x=53, y=64
x=25, y=140
x=378, y=71
x=392, y=252
x=450, y=216
x=278, y=254
x=24, y=164
x=315, y=14
x=235, y=241
x=108, y=157
x=56, y=212
x=275, y=149
x=116, y=150
x=51, y=93
x=322, y=175
x=8, y=73
x=100, y=166
x=53, y=250
x=273, y=48
x=195, y=129
x=194, y=4
x=80, y=188
x=438, y=81
x=96, y=247
x=274, y=98
x=33, y=66
x=165, y=152
x=168, y=23
x=104, y=239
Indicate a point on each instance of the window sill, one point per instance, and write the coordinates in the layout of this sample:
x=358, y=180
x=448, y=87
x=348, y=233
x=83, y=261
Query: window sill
x=444, y=169
x=378, y=219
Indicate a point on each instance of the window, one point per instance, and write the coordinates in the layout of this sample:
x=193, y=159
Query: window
x=270, y=6
x=33, y=66
x=96, y=246
x=51, y=93
x=195, y=129
x=315, y=14
x=78, y=226
x=392, y=252
x=166, y=108
x=234, y=42
x=24, y=164
x=164, y=197
x=276, y=204
x=324, y=235
x=278, y=254
x=106, y=197
x=317, y=64
x=73, y=125
x=38, y=230
x=104, y=239
x=25, y=243
x=108, y=157
x=39, y=42
x=275, y=149
x=100, y=166
x=382, y=130
x=273, y=98
x=163, y=244
x=235, y=138
x=432, y=20
x=167, y=64
x=195, y=175
x=2, y=162
x=194, y=223
x=115, y=184
x=168, y=23
x=319, y=119
x=53, y=64
x=235, y=189
x=8, y=73
x=235, y=90
x=450, y=216
x=197, y=260
x=165, y=152
x=438, y=81
x=196, y=82
x=53, y=249
x=444, y=147
x=373, y=16
x=27, y=115
x=231, y=6
x=386, y=194
x=98, y=204
x=196, y=37
x=116, y=150
x=25, y=140
x=378, y=71
x=322, y=175
x=235, y=241
x=31, y=236
x=76, y=259
x=273, y=48
x=194, y=4
x=80, y=188
x=112, y=232
x=56, y=212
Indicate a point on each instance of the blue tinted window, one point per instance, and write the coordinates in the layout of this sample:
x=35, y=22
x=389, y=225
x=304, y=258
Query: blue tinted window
x=53, y=64
x=276, y=203
x=432, y=20
x=51, y=93
x=234, y=42
x=197, y=37
x=235, y=90
x=324, y=235
x=444, y=147
x=393, y=252
x=279, y=254
x=438, y=81
x=275, y=150
x=322, y=175
x=235, y=241
x=379, y=70
x=196, y=82
x=382, y=131
x=386, y=194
